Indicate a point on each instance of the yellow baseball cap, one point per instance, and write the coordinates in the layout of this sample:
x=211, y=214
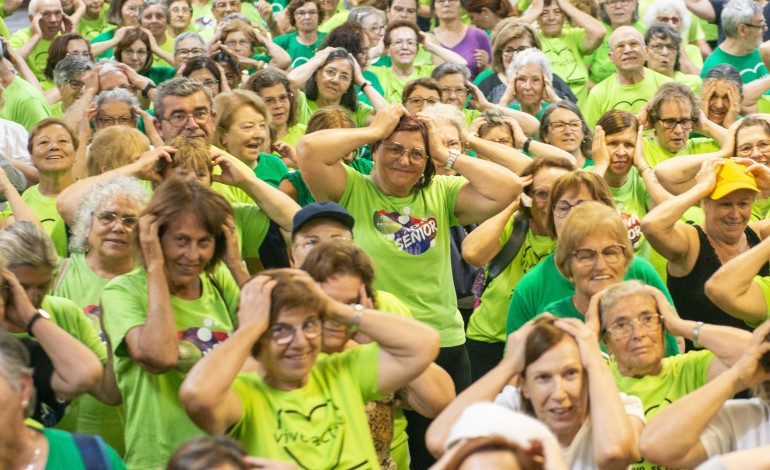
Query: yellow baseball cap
x=731, y=177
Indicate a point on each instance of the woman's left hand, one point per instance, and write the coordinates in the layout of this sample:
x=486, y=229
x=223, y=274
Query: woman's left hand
x=232, y=173
x=438, y=151
x=519, y=137
x=18, y=307
x=139, y=82
x=600, y=153
x=639, y=161
x=254, y=304
x=153, y=43
x=733, y=95
x=358, y=77
x=386, y=120
x=549, y=94
x=671, y=320
x=482, y=58
x=232, y=255
x=287, y=152
x=478, y=100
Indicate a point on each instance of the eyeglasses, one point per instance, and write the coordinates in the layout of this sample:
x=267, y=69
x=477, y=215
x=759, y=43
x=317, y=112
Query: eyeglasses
x=410, y=43
x=242, y=42
x=510, y=51
x=686, y=123
x=557, y=13
x=377, y=29
x=422, y=101
x=284, y=334
x=561, y=209
x=188, y=52
x=660, y=48
x=587, y=257
x=308, y=13
x=541, y=195
x=75, y=84
x=131, y=9
x=223, y=5
x=453, y=91
x=623, y=328
x=180, y=11
x=111, y=121
x=762, y=25
x=331, y=73
x=80, y=54
x=151, y=15
x=620, y=47
x=179, y=119
x=136, y=53
x=559, y=126
x=272, y=101
x=747, y=149
x=210, y=83
x=395, y=150
x=107, y=218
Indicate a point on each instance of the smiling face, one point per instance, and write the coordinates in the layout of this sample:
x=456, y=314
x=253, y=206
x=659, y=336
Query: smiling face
x=246, y=136
x=641, y=352
x=334, y=79
x=453, y=90
x=675, y=139
x=113, y=240
x=719, y=102
x=403, y=46
x=565, y=130
x=529, y=84
x=239, y=43
x=555, y=385
x=753, y=139
x=621, y=146
x=187, y=248
x=154, y=19
x=94, y=7
x=727, y=218
x=398, y=174
x=627, y=50
x=287, y=366
x=551, y=20
x=53, y=150
x=590, y=278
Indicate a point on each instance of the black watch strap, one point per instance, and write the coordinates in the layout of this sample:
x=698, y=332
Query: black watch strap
x=37, y=316
x=147, y=89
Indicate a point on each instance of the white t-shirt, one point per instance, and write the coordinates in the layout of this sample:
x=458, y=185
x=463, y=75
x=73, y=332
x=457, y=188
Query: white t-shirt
x=580, y=453
x=13, y=141
x=739, y=425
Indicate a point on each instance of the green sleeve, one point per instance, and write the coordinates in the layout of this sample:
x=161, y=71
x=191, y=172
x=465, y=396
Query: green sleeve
x=229, y=290
x=71, y=319
x=124, y=306
x=592, y=108
x=252, y=224
x=521, y=304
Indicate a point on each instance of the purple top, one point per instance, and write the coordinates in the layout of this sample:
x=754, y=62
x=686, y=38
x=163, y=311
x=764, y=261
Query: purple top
x=475, y=38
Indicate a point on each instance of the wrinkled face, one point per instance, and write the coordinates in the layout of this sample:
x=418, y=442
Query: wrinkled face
x=334, y=79
x=287, y=366
x=671, y=18
x=513, y=47
x=111, y=239
x=719, y=102
x=727, y=218
x=403, y=10
x=200, y=119
x=541, y=189
x=186, y=49
x=72, y=90
x=627, y=50
x=114, y=113
x=278, y=101
x=620, y=147
x=208, y=79
x=36, y=281
x=501, y=134
x=450, y=136
x=187, y=248
x=247, y=135
x=135, y=55
x=752, y=142
x=222, y=8
x=420, y=98
x=565, y=130
x=606, y=269
x=343, y=288
x=329, y=7
x=403, y=46
x=394, y=163
x=661, y=55
x=453, y=90
x=315, y=232
x=307, y=17
x=551, y=20
x=78, y=47
x=679, y=114
x=238, y=42
x=483, y=19
x=447, y=9
x=621, y=12
x=568, y=200
x=129, y=12
x=374, y=25
x=530, y=84
x=181, y=15
x=555, y=385
x=754, y=30
x=115, y=80
x=154, y=19
x=53, y=150
x=640, y=350
x=52, y=13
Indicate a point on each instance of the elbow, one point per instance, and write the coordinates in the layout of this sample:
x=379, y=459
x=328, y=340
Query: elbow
x=619, y=456
x=197, y=407
x=435, y=439
x=657, y=450
x=156, y=363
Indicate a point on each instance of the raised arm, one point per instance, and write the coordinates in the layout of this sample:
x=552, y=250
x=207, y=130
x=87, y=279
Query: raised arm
x=528, y=123
x=21, y=211
x=753, y=90
x=374, y=96
x=279, y=58
x=656, y=191
x=440, y=53
x=431, y=392
x=595, y=30
x=483, y=243
x=298, y=76
x=702, y=9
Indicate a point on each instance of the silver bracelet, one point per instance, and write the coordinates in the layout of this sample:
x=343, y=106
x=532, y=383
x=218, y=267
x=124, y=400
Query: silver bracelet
x=358, y=309
x=696, y=334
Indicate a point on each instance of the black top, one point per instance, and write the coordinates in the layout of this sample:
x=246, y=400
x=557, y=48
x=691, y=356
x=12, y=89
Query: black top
x=48, y=410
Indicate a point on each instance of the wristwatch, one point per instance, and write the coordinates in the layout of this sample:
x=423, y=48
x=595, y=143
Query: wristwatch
x=450, y=162
x=365, y=84
x=40, y=313
x=147, y=89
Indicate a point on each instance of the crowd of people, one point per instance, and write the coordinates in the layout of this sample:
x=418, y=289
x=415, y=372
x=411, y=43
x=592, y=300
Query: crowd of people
x=398, y=234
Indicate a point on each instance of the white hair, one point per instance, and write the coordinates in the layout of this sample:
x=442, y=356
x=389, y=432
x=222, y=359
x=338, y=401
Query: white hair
x=658, y=8
x=32, y=8
x=531, y=56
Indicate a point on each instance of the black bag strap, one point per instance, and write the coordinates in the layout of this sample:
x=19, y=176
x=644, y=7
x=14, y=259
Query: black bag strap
x=509, y=250
x=93, y=451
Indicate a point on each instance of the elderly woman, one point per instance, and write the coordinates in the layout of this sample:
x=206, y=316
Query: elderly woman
x=26, y=446
x=161, y=319
x=282, y=101
x=563, y=126
x=510, y=244
x=486, y=14
x=302, y=44
x=530, y=84
x=242, y=129
x=664, y=55
x=720, y=99
x=153, y=16
x=186, y=46
x=564, y=383
x=420, y=93
x=239, y=39
x=329, y=79
x=123, y=14
x=180, y=17
x=136, y=50
x=695, y=252
x=472, y=44
x=373, y=21
x=614, y=14
x=675, y=15
x=69, y=77
x=206, y=71
x=280, y=324
x=353, y=38
x=567, y=48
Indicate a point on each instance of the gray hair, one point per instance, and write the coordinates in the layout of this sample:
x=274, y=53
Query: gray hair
x=32, y=7
x=236, y=16
x=181, y=87
x=190, y=35
x=726, y=72
x=658, y=8
x=531, y=56
x=121, y=186
x=620, y=291
x=109, y=66
x=116, y=94
x=448, y=68
x=26, y=244
x=70, y=67
x=14, y=360
x=150, y=3
x=446, y=112
x=737, y=12
x=358, y=14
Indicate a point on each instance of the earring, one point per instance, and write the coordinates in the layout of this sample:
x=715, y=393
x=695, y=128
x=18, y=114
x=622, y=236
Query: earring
x=24, y=403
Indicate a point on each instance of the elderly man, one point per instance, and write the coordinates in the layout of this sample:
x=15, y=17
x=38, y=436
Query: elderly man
x=632, y=85
x=186, y=46
x=743, y=24
x=24, y=103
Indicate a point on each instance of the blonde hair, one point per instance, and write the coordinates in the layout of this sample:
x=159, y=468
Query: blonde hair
x=225, y=106
x=113, y=147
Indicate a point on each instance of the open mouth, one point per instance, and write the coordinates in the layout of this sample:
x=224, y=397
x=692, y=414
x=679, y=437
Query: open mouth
x=601, y=277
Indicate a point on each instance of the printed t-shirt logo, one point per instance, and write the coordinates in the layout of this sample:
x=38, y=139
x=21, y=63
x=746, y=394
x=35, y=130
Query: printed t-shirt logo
x=410, y=234
x=634, y=227
x=195, y=342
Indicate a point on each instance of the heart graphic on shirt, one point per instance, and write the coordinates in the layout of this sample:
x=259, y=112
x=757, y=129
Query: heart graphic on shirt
x=561, y=60
x=629, y=106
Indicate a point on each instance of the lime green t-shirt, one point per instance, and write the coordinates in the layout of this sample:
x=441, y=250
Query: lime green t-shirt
x=633, y=201
x=293, y=134
x=693, y=81
x=487, y=323
x=362, y=165
x=299, y=53
x=322, y=425
x=168, y=46
x=423, y=58
x=251, y=225
x=92, y=28
x=38, y=57
x=599, y=61
x=156, y=423
x=408, y=237
x=105, y=36
x=63, y=453
x=307, y=107
x=764, y=284
x=654, y=154
x=565, y=54
x=24, y=104
x=335, y=20
x=392, y=85
x=44, y=208
x=610, y=94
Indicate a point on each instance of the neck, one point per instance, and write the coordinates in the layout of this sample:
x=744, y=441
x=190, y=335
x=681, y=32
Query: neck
x=614, y=180
x=176, y=31
x=565, y=437
x=324, y=102
x=52, y=184
x=736, y=46
x=109, y=268
x=580, y=301
x=402, y=70
x=282, y=129
x=307, y=37
x=639, y=372
x=532, y=109
x=630, y=77
x=537, y=226
x=188, y=291
x=162, y=39
x=720, y=242
x=579, y=157
x=453, y=25
x=387, y=189
x=282, y=385
x=91, y=16
x=18, y=447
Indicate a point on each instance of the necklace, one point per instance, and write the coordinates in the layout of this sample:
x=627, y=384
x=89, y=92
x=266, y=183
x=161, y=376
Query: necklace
x=36, y=454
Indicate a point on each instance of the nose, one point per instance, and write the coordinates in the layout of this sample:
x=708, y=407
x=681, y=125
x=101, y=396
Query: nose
x=559, y=391
x=756, y=154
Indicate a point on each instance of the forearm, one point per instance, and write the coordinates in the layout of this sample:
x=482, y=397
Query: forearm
x=686, y=64
x=79, y=170
x=657, y=192
x=752, y=91
x=715, y=131
x=483, y=243
x=26, y=73
x=21, y=211
x=446, y=55
x=539, y=149
x=677, y=175
x=69, y=200
x=702, y=9
x=100, y=48
x=594, y=28
x=431, y=392
x=327, y=147
x=503, y=155
x=26, y=49
x=277, y=205
x=298, y=76
x=660, y=222
x=490, y=180
x=377, y=100
x=279, y=58
x=76, y=112
x=529, y=124
x=157, y=348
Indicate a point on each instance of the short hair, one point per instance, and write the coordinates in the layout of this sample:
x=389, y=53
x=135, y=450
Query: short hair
x=588, y=136
x=147, y=4
x=335, y=257
x=349, y=98
x=48, y=122
x=499, y=8
x=189, y=152
x=672, y=92
x=574, y=182
x=447, y=112
x=109, y=66
x=620, y=291
x=269, y=77
x=180, y=87
x=540, y=163
x=358, y=14
x=204, y=452
x=330, y=117
x=113, y=147
x=202, y=62
x=657, y=8
x=664, y=31
x=606, y=18
x=587, y=219
x=189, y=35
x=511, y=29
x=176, y=197
x=527, y=459
x=409, y=123
x=349, y=36
x=531, y=57
x=615, y=121
x=737, y=12
x=32, y=8
x=295, y=5
x=222, y=56
x=114, y=15
x=448, y=68
x=424, y=82
x=14, y=360
x=239, y=26
x=129, y=38
x=726, y=72
x=26, y=244
x=58, y=51
x=750, y=121
x=543, y=337
x=120, y=95
x=226, y=104
x=400, y=24
x=70, y=67
x=492, y=120
x=112, y=189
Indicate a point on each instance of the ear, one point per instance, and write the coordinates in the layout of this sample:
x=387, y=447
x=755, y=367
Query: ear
x=523, y=388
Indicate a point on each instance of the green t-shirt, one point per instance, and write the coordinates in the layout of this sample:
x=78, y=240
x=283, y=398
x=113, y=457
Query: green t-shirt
x=408, y=237
x=487, y=323
x=322, y=425
x=156, y=423
x=38, y=57
x=56, y=110
x=168, y=46
x=63, y=453
x=251, y=225
x=160, y=74
x=763, y=283
x=566, y=54
x=24, y=104
x=299, y=53
x=44, y=208
x=750, y=65
x=654, y=154
x=92, y=28
x=105, y=36
x=423, y=58
x=293, y=134
x=393, y=86
x=599, y=61
x=693, y=81
x=335, y=20
x=307, y=107
x=271, y=169
x=610, y=94
x=304, y=197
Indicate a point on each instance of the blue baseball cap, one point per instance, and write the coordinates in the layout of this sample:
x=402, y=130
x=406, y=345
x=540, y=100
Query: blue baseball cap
x=321, y=210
